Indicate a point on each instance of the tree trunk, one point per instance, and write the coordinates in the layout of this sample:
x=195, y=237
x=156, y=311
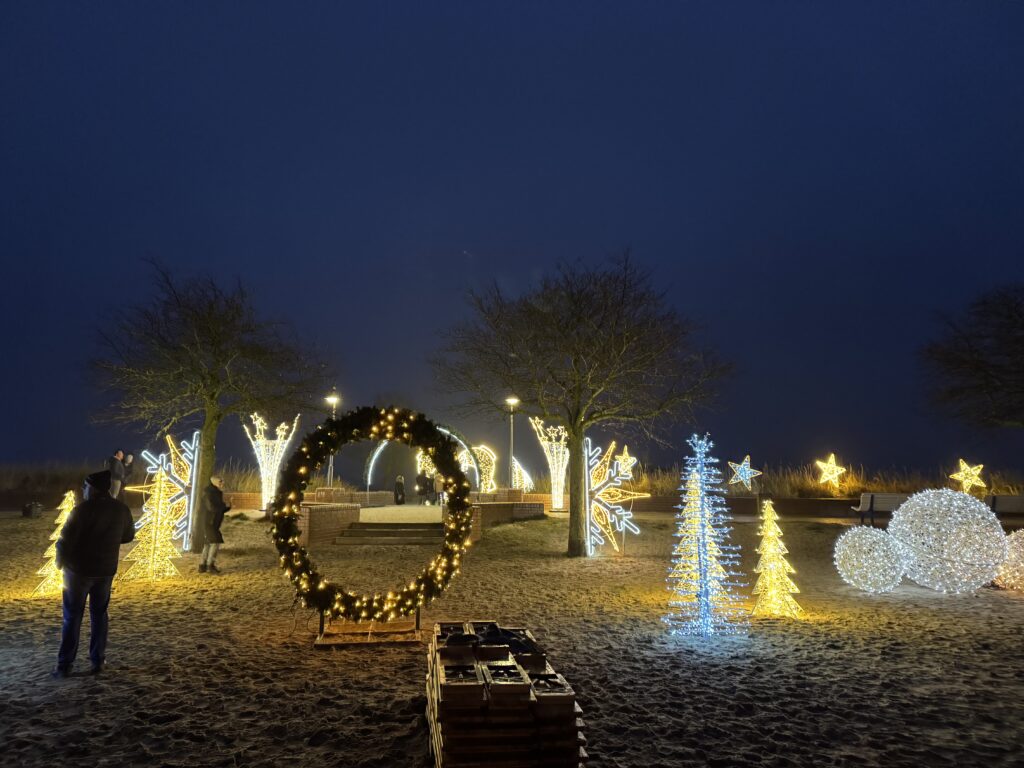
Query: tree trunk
x=207, y=457
x=577, y=497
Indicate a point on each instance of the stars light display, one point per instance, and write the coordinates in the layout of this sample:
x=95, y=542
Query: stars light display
x=869, y=559
x=53, y=578
x=168, y=509
x=554, y=442
x=521, y=479
x=704, y=570
x=830, y=471
x=486, y=461
x=313, y=589
x=269, y=452
x=606, y=517
x=969, y=476
x=743, y=473
x=774, y=588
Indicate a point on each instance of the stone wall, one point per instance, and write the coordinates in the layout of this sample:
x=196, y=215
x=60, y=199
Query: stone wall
x=496, y=513
x=323, y=523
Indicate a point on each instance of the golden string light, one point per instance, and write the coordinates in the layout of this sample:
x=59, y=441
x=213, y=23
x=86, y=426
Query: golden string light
x=606, y=517
x=486, y=460
x=830, y=471
x=774, y=587
x=554, y=442
x=53, y=578
x=269, y=452
x=969, y=476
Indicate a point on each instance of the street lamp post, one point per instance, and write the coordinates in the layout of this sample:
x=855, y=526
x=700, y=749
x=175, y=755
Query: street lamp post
x=332, y=400
x=511, y=401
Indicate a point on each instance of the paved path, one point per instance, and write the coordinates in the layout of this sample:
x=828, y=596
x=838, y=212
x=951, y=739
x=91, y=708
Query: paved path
x=401, y=513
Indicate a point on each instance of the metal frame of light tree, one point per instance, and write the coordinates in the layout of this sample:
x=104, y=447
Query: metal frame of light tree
x=603, y=479
x=53, y=577
x=269, y=453
x=774, y=588
x=487, y=464
x=168, y=509
x=704, y=564
x=554, y=442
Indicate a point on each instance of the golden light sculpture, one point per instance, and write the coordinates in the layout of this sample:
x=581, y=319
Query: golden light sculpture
x=521, y=479
x=165, y=506
x=424, y=464
x=606, y=517
x=554, y=442
x=487, y=461
x=743, y=473
x=53, y=577
x=269, y=452
x=830, y=471
x=774, y=588
x=969, y=476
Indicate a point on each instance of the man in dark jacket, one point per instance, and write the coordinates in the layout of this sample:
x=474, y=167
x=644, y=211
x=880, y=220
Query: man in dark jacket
x=87, y=553
x=115, y=465
x=211, y=511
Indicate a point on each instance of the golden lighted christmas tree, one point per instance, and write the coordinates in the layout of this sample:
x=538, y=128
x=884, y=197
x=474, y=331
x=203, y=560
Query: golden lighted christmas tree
x=53, y=579
x=166, y=504
x=774, y=588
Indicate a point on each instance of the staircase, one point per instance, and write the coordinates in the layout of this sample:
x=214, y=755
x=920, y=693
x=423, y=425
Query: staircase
x=389, y=534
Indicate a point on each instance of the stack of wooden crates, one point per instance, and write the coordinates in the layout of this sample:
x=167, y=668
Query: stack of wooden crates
x=493, y=700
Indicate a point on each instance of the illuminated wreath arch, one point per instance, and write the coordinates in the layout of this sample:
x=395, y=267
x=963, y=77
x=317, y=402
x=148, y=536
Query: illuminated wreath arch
x=312, y=588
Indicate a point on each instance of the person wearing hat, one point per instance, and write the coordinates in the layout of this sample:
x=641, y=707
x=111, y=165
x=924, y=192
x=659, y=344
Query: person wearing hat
x=87, y=552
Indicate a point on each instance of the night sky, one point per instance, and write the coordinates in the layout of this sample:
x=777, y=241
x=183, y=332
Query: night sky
x=812, y=181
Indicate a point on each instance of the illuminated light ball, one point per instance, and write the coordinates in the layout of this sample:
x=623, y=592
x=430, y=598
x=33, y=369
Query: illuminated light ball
x=951, y=542
x=1011, y=572
x=869, y=559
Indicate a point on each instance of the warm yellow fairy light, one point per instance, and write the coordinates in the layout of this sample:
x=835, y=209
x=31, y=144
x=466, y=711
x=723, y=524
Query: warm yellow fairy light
x=166, y=505
x=424, y=464
x=269, y=452
x=53, y=578
x=968, y=476
x=830, y=471
x=554, y=442
x=486, y=460
x=774, y=588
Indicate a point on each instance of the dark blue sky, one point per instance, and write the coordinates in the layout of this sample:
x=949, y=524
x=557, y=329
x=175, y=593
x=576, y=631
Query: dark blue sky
x=812, y=181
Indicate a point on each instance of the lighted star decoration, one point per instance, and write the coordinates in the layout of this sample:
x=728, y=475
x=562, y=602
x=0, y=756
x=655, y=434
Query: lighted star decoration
x=743, y=472
x=830, y=471
x=968, y=476
x=606, y=516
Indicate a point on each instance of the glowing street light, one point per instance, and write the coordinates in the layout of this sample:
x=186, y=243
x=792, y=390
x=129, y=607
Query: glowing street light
x=511, y=401
x=333, y=400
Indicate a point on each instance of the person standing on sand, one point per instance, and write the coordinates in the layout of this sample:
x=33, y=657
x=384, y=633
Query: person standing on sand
x=400, y=490
x=211, y=515
x=87, y=551
x=115, y=465
x=129, y=467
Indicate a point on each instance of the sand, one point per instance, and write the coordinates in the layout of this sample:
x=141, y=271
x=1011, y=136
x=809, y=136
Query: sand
x=219, y=670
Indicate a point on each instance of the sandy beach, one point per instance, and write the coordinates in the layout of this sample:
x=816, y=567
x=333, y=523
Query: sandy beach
x=219, y=670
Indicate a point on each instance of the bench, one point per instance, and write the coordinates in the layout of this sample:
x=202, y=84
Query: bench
x=879, y=502
x=1006, y=505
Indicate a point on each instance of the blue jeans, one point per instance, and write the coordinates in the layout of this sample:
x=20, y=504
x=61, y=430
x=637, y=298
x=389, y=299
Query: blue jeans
x=76, y=589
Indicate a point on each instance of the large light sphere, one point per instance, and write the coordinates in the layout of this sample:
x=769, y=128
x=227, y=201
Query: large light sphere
x=869, y=559
x=1011, y=572
x=951, y=542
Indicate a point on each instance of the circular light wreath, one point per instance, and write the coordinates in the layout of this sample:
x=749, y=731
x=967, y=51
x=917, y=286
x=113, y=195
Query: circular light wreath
x=312, y=588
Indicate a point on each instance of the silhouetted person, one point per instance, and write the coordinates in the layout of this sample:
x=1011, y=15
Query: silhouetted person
x=400, y=490
x=87, y=552
x=115, y=465
x=211, y=510
x=129, y=468
x=424, y=487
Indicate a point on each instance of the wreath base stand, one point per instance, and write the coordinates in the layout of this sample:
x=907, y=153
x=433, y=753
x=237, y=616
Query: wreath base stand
x=368, y=633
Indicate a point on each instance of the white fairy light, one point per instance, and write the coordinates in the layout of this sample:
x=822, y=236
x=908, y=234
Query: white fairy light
x=869, y=559
x=1011, y=572
x=521, y=479
x=554, y=442
x=270, y=452
x=951, y=542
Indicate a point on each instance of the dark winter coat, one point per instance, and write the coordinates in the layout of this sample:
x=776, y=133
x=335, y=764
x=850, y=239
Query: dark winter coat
x=116, y=467
x=92, y=536
x=212, y=512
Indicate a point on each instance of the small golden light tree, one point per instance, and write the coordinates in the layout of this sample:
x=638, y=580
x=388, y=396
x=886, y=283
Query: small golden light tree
x=774, y=588
x=53, y=578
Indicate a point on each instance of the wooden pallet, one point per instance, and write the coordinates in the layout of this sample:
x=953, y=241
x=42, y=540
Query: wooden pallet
x=369, y=633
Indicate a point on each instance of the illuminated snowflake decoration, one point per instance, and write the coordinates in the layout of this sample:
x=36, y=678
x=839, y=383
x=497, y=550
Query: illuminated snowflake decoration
x=1011, y=572
x=969, y=476
x=869, y=559
x=270, y=452
x=951, y=542
x=554, y=442
x=606, y=517
x=520, y=477
x=743, y=473
x=486, y=462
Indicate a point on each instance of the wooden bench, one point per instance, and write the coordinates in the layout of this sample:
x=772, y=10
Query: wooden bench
x=879, y=502
x=1006, y=505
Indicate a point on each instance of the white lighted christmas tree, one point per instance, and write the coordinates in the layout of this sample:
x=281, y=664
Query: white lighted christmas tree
x=554, y=442
x=774, y=588
x=53, y=579
x=704, y=571
x=269, y=452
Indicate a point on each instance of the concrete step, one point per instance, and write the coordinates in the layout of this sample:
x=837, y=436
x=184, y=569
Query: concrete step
x=388, y=541
x=393, y=526
x=392, y=534
x=356, y=533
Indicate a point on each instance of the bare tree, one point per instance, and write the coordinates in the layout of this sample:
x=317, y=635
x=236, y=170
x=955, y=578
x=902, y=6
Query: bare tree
x=196, y=354
x=587, y=346
x=977, y=365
